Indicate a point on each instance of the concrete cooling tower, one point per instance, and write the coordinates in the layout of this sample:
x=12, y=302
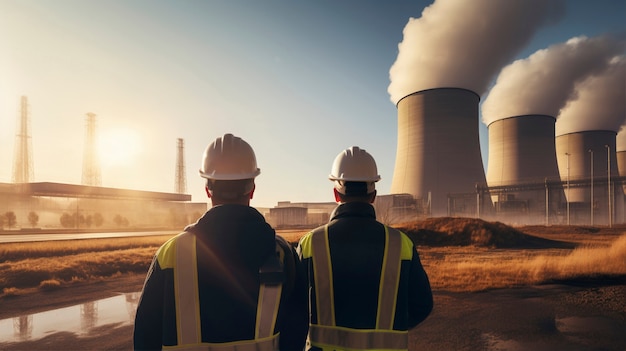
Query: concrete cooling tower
x=621, y=166
x=588, y=167
x=522, y=169
x=438, y=157
x=521, y=149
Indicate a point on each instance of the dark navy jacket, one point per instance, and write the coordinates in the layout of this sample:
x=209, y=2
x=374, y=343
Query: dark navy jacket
x=356, y=242
x=233, y=241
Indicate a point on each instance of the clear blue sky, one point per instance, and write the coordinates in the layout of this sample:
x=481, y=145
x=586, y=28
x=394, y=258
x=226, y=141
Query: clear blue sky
x=299, y=80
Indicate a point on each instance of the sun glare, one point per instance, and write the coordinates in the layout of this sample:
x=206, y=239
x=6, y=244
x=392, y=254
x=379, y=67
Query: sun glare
x=118, y=147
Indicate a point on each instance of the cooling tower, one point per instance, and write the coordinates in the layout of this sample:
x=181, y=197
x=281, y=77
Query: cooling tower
x=621, y=165
x=522, y=150
x=575, y=154
x=438, y=151
x=522, y=168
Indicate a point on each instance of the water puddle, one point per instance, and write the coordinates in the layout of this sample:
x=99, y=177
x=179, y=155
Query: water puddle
x=580, y=325
x=494, y=342
x=78, y=319
x=571, y=333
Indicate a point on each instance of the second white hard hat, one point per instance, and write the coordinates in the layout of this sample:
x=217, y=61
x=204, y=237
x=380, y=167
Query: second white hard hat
x=354, y=165
x=229, y=158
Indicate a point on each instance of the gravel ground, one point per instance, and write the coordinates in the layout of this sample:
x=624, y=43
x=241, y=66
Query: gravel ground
x=575, y=315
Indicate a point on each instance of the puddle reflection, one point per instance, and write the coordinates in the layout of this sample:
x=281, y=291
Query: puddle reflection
x=78, y=319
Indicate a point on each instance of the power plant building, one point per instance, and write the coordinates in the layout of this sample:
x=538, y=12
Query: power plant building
x=588, y=166
x=69, y=206
x=621, y=165
x=522, y=172
x=438, y=158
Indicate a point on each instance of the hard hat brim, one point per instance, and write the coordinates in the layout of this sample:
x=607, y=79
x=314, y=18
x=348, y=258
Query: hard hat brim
x=354, y=179
x=237, y=176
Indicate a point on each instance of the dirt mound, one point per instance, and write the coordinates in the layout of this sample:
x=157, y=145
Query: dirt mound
x=448, y=231
x=616, y=229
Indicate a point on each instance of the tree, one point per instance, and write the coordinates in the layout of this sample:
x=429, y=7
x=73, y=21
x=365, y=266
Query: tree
x=67, y=221
x=120, y=221
x=33, y=219
x=89, y=221
x=78, y=220
x=10, y=218
x=98, y=219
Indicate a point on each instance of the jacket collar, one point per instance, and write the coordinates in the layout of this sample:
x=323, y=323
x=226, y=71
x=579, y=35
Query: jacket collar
x=353, y=209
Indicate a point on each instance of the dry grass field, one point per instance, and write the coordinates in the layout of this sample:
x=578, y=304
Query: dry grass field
x=458, y=254
x=26, y=267
x=495, y=287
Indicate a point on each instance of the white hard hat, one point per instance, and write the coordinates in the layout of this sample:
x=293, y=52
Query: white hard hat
x=229, y=158
x=354, y=165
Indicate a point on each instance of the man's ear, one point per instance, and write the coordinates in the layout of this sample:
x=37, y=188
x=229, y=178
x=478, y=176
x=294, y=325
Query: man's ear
x=373, y=197
x=208, y=193
x=337, y=195
x=252, y=192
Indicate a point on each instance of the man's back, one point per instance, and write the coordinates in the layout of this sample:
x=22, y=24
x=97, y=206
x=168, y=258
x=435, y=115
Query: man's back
x=357, y=245
x=232, y=243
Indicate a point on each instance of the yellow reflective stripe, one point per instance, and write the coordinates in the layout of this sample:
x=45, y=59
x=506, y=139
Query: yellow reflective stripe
x=186, y=290
x=265, y=344
x=323, y=276
x=389, y=279
x=267, y=310
x=305, y=247
x=357, y=339
x=268, y=303
x=267, y=317
x=166, y=255
x=408, y=247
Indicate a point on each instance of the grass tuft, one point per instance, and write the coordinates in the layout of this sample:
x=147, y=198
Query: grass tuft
x=12, y=291
x=49, y=285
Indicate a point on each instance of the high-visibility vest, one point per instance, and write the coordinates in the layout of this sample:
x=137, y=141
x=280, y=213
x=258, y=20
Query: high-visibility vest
x=188, y=304
x=326, y=334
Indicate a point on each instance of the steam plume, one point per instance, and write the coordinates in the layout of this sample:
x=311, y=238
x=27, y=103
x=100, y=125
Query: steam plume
x=620, y=140
x=463, y=44
x=599, y=103
x=543, y=82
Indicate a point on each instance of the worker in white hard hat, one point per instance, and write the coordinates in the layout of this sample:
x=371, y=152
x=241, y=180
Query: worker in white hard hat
x=227, y=282
x=367, y=284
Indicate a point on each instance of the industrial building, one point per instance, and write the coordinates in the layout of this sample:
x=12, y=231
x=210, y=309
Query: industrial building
x=438, y=158
x=588, y=165
x=390, y=209
x=533, y=176
x=522, y=170
x=83, y=207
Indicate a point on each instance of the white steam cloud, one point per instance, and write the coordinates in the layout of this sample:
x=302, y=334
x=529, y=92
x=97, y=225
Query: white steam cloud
x=599, y=103
x=463, y=44
x=543, y=82
x=620, y=140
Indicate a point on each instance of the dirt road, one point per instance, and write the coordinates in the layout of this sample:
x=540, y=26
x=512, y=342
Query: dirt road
x=579, y=315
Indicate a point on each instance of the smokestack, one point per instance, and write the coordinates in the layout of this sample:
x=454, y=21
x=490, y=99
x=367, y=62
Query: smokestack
x=181, y=174
x=23, y=160
x=91, y=163
x=438, y=151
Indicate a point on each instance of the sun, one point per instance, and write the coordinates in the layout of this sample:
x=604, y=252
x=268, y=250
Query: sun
x=118, y=146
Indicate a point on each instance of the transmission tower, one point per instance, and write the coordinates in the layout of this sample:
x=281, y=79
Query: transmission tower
x=23, y=158
x=181, y=177
x=91, y=165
